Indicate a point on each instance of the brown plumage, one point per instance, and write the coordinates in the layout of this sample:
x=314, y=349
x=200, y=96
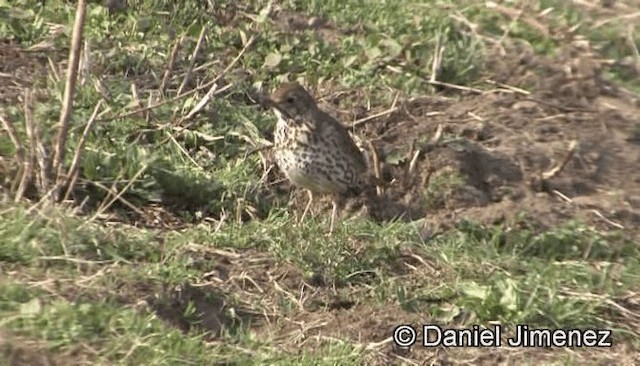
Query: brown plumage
x=314, y=150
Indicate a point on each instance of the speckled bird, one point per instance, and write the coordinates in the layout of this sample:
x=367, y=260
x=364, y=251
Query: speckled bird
x=314, y=150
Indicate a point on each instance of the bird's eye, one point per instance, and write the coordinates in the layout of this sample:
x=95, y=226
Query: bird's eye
x=290, y=99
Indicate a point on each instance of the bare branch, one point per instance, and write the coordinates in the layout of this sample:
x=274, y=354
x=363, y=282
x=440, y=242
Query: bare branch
x=558, y=168
x=72, y=75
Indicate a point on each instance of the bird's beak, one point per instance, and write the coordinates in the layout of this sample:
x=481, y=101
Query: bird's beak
x=266, y=102
x=281, y=112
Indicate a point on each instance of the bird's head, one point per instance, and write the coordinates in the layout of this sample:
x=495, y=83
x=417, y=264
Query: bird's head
x=292, y=100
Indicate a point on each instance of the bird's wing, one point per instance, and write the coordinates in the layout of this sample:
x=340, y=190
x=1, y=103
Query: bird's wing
x=341, y=135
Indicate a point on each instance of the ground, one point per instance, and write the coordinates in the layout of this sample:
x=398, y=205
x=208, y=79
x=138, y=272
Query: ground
x=507, y=135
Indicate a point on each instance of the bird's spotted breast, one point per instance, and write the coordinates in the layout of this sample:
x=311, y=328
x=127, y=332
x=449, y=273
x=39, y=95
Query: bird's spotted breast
x=312, y=154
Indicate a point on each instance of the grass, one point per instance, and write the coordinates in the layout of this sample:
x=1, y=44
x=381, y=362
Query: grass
x=74, y=283
x=230, y=279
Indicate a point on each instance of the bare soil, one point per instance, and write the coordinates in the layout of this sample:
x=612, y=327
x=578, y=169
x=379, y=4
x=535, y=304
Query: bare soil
x=568, y=149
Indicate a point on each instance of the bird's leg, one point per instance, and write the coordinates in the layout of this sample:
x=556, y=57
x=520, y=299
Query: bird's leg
x=338, y=202
x=334, y=212
x=306, y=209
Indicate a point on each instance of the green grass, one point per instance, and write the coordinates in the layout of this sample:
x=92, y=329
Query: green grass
x=111, y=292
x=102, y=275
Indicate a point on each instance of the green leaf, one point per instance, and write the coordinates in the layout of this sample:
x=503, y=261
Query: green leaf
x=30, y=308
x=373, y=53
x=272, y=60
x=393, y=48
x=509, y=297
x=474, y=290
x=350, y=60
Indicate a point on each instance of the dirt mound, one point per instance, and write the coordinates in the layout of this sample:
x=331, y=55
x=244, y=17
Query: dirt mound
x=567, y=149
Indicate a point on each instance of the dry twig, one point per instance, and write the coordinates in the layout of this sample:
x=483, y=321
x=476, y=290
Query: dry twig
x=192, y=62
x=36, y=150
x=214, y=83
x=508, y=87
x=72, y=175
x=118, y=196
x=612, y=223
x=13, y=136
x=376, y=167
x=67, y=104
x=392, y=109
x=190, y=92
x=436, y=65
x=558, y=169
x=20, y=156
x=172, y=60
x=454, y=86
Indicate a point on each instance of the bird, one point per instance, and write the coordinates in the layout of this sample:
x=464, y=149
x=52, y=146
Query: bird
x=314, y=150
